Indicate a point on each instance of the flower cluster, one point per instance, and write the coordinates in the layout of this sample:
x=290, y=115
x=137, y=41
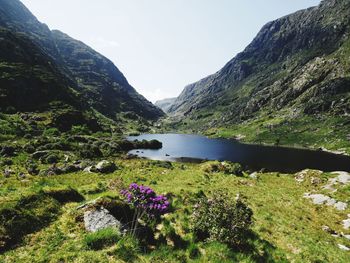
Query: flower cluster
x=143, y=197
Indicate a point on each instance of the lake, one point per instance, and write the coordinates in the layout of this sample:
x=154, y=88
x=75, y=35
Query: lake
x=181, y=147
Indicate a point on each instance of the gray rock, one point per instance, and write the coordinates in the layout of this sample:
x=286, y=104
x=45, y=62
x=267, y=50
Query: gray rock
x=105, y=167
x=342, y=247
x=88, y=169
x=100, y=219
x=343, y=177
x=254, y=175
x=346, y=223
x=340, y=206
x=320, y=199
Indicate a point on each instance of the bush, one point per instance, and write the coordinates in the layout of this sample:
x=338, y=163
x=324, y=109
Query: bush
x=51, y=132
x=144, y=144
x=224, y=167
x=80, y=130
x=103, y=238
x=90, y=151
x=222, y=219
x=51, y=159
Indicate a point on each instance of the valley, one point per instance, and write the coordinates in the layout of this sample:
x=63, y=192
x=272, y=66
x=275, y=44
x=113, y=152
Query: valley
x=91, y=171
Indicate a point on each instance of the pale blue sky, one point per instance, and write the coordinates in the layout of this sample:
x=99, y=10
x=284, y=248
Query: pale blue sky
x=163, y=45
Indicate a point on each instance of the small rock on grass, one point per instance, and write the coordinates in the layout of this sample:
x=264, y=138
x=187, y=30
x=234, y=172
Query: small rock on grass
x=99, y=219
x=342, y=247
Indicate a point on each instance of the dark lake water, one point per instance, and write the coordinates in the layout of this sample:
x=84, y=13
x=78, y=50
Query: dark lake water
x=180, y=147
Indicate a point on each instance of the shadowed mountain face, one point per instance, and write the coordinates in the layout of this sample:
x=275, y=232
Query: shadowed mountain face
x=42, y=69
x=299, y=64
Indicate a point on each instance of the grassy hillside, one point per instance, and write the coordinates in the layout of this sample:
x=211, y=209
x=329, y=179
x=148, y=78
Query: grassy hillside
x=287, y=227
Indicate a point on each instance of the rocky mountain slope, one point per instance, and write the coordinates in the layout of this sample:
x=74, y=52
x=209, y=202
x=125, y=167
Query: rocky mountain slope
x=297, y=67
x=43, y=70
x=165, y=104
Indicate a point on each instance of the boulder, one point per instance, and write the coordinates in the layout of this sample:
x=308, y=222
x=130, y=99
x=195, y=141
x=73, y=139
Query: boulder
x=98, y=219
x=105, y=167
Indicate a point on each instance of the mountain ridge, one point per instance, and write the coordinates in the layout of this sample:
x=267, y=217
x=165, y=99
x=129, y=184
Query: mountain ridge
x=296, y=70
x=38, y=70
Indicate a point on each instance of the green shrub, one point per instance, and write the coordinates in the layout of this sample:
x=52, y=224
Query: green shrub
x=80, y=130
x=102, y=238
x=51, y=159
x=90, y=151
x=144, y=144
x=224, y=167
x=222, y=219
x=51, y=132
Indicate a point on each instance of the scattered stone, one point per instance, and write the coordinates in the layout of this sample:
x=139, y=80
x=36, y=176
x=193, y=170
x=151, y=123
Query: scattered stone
x=313, y=174
x=342, y=247
x=100, y=219
x=341, y=206
x=105, y=167
x=254, y=175
x=69, y=168
x=7, y=173
x=52, y=170
x=88, y=169
x=346, y=223
x=315, y=180
x=21, y=176
x=343, y=177
x=239, y=137
x=32, y=169
x=329, y=231
x=320, y=199
x=346, y=236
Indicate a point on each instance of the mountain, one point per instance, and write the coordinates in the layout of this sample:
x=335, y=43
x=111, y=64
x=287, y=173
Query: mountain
x=165, y=104
x=44, y=70
x=297, y=67
x=100, y=81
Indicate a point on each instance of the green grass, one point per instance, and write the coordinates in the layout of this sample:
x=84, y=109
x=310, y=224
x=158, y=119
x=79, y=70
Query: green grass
x=102, y=238
x=287, y=227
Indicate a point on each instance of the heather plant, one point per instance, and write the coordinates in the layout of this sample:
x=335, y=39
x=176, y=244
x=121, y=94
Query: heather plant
x=145, y=203
x=222, y=219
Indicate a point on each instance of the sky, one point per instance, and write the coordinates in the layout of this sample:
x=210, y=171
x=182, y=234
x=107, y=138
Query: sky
x=163, y=45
